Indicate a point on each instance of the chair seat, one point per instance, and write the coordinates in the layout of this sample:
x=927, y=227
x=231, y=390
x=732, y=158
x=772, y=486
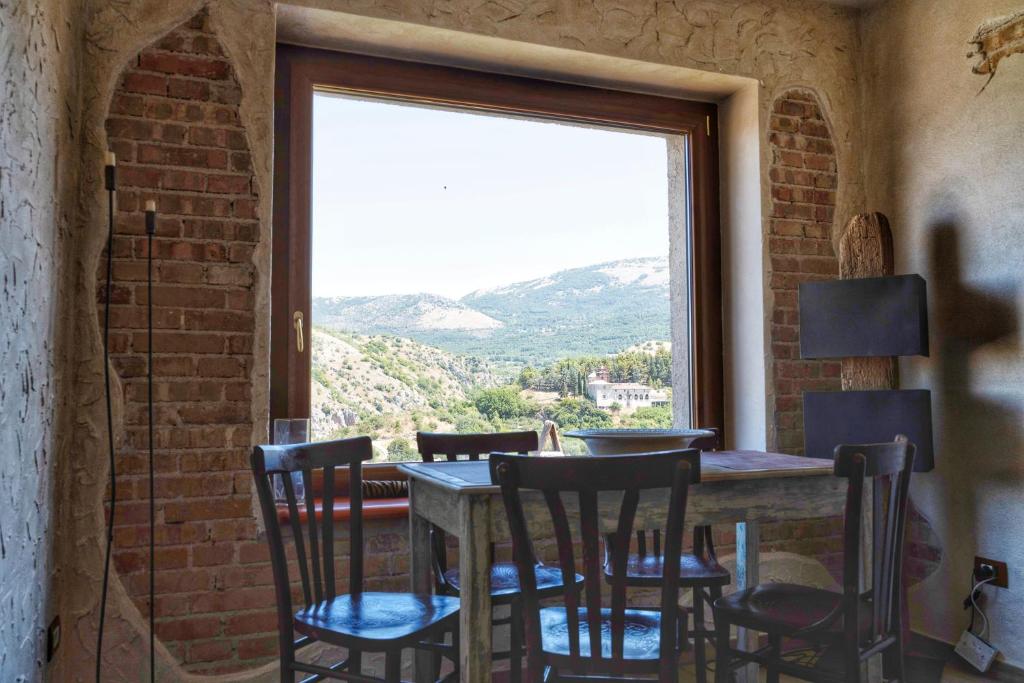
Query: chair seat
x=375, y=617
x=782, y=608
x=646, y=570
x=641, y=642
x=505, y=580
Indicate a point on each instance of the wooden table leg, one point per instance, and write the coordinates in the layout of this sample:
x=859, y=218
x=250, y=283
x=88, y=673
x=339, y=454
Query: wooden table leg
x=421, y=579
x=748, y=558
x=872, y=668
x=475, y=590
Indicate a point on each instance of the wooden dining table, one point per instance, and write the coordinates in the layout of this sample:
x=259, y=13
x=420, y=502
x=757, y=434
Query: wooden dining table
x=745, y=488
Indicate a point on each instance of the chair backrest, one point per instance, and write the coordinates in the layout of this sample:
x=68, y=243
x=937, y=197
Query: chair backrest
x=887, y=466
x=703, y=543
x=466, y=447
x=588, y=477
x=314, y=551
x=472, y=446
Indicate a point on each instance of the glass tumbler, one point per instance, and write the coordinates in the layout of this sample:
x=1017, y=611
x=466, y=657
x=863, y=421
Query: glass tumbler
x=289, y=431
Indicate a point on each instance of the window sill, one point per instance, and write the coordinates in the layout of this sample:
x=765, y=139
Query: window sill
x=373, y=508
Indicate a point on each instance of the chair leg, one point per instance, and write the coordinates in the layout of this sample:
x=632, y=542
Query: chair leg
x=699, y=654
x=894, y=660
x=774, y=654
x=515, y=659
x=355, y=662
x=852, y=664
x=435, y=664
x=723, y=653
x=393, y=666
x=287, y=659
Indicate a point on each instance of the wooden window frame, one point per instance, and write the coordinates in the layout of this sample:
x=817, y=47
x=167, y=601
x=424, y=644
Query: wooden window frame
x=301, y=70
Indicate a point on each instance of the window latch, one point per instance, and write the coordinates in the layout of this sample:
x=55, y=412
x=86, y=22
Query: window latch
x=297, y=319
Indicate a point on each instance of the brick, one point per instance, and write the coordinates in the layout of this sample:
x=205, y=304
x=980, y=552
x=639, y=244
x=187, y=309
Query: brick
x=171, y=155
x=263, y=621
x=221, y=508
x=181, y=88
x=184, y=65
x=233, y=601
x=814, y=128
x=251, y=648
x=784, y=124
x=184, y=297
x=151, y=84
x=133, y=129
x=221, y=367
x=228, y=184
x=212, y=555
x=191, y=628
x=208, y=651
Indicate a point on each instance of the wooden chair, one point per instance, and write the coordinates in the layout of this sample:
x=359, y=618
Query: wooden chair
x=504, y=578
x=589, y=641
x=699, y=571
x=358, y=621
x=850, y=626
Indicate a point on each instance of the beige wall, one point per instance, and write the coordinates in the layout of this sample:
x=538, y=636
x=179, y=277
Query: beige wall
x=38, y=106
x=945, y=162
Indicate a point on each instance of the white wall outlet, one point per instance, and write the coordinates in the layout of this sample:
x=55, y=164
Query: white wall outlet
x=976, y=651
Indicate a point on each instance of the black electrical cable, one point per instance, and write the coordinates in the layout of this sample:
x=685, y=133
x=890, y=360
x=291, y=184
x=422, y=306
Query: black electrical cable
x=110, y=184
x=150, y=230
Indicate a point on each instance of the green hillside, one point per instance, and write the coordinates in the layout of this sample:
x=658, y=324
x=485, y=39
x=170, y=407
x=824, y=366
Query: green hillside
x=597, y=310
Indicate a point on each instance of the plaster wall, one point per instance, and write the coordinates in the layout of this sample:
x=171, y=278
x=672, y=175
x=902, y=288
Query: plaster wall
x=743, y=271
x=944, y=160
x=38, y=105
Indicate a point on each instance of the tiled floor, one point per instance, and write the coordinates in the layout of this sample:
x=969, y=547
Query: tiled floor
x=926, y=663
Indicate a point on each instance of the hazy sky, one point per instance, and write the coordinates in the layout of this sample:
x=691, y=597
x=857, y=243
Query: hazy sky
x=411, y=199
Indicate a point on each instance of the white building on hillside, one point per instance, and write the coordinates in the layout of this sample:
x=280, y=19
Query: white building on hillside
x=628, y=395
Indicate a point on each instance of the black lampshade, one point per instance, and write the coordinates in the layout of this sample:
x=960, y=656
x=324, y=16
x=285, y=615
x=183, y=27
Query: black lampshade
x=877, y=316
x=856, y=417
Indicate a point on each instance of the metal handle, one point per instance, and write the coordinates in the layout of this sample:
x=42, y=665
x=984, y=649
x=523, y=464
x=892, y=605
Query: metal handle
x=297, y=319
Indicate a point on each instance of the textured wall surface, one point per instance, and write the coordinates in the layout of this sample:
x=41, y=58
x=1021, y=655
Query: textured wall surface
x=945, y=162
x=801, y=181
x=38, y=103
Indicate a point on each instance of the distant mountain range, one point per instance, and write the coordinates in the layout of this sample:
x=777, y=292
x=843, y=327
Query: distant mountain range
x=596, y=309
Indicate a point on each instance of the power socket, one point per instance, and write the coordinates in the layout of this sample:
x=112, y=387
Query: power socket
x=1000, y=574
x=975, y=651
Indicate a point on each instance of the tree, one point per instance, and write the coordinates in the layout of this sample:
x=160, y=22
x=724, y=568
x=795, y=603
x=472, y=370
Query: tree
x=527, y=377
x=399, y=450
x=504, y=403
x=654, y=417
x=579, y=413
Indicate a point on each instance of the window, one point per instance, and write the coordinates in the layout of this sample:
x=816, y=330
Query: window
x=392, y=349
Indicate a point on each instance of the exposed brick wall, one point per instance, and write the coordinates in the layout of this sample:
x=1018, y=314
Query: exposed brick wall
x=174, y=125
x=802, y=181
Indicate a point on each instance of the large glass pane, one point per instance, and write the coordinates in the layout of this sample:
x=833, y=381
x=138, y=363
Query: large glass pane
x=474, y=272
